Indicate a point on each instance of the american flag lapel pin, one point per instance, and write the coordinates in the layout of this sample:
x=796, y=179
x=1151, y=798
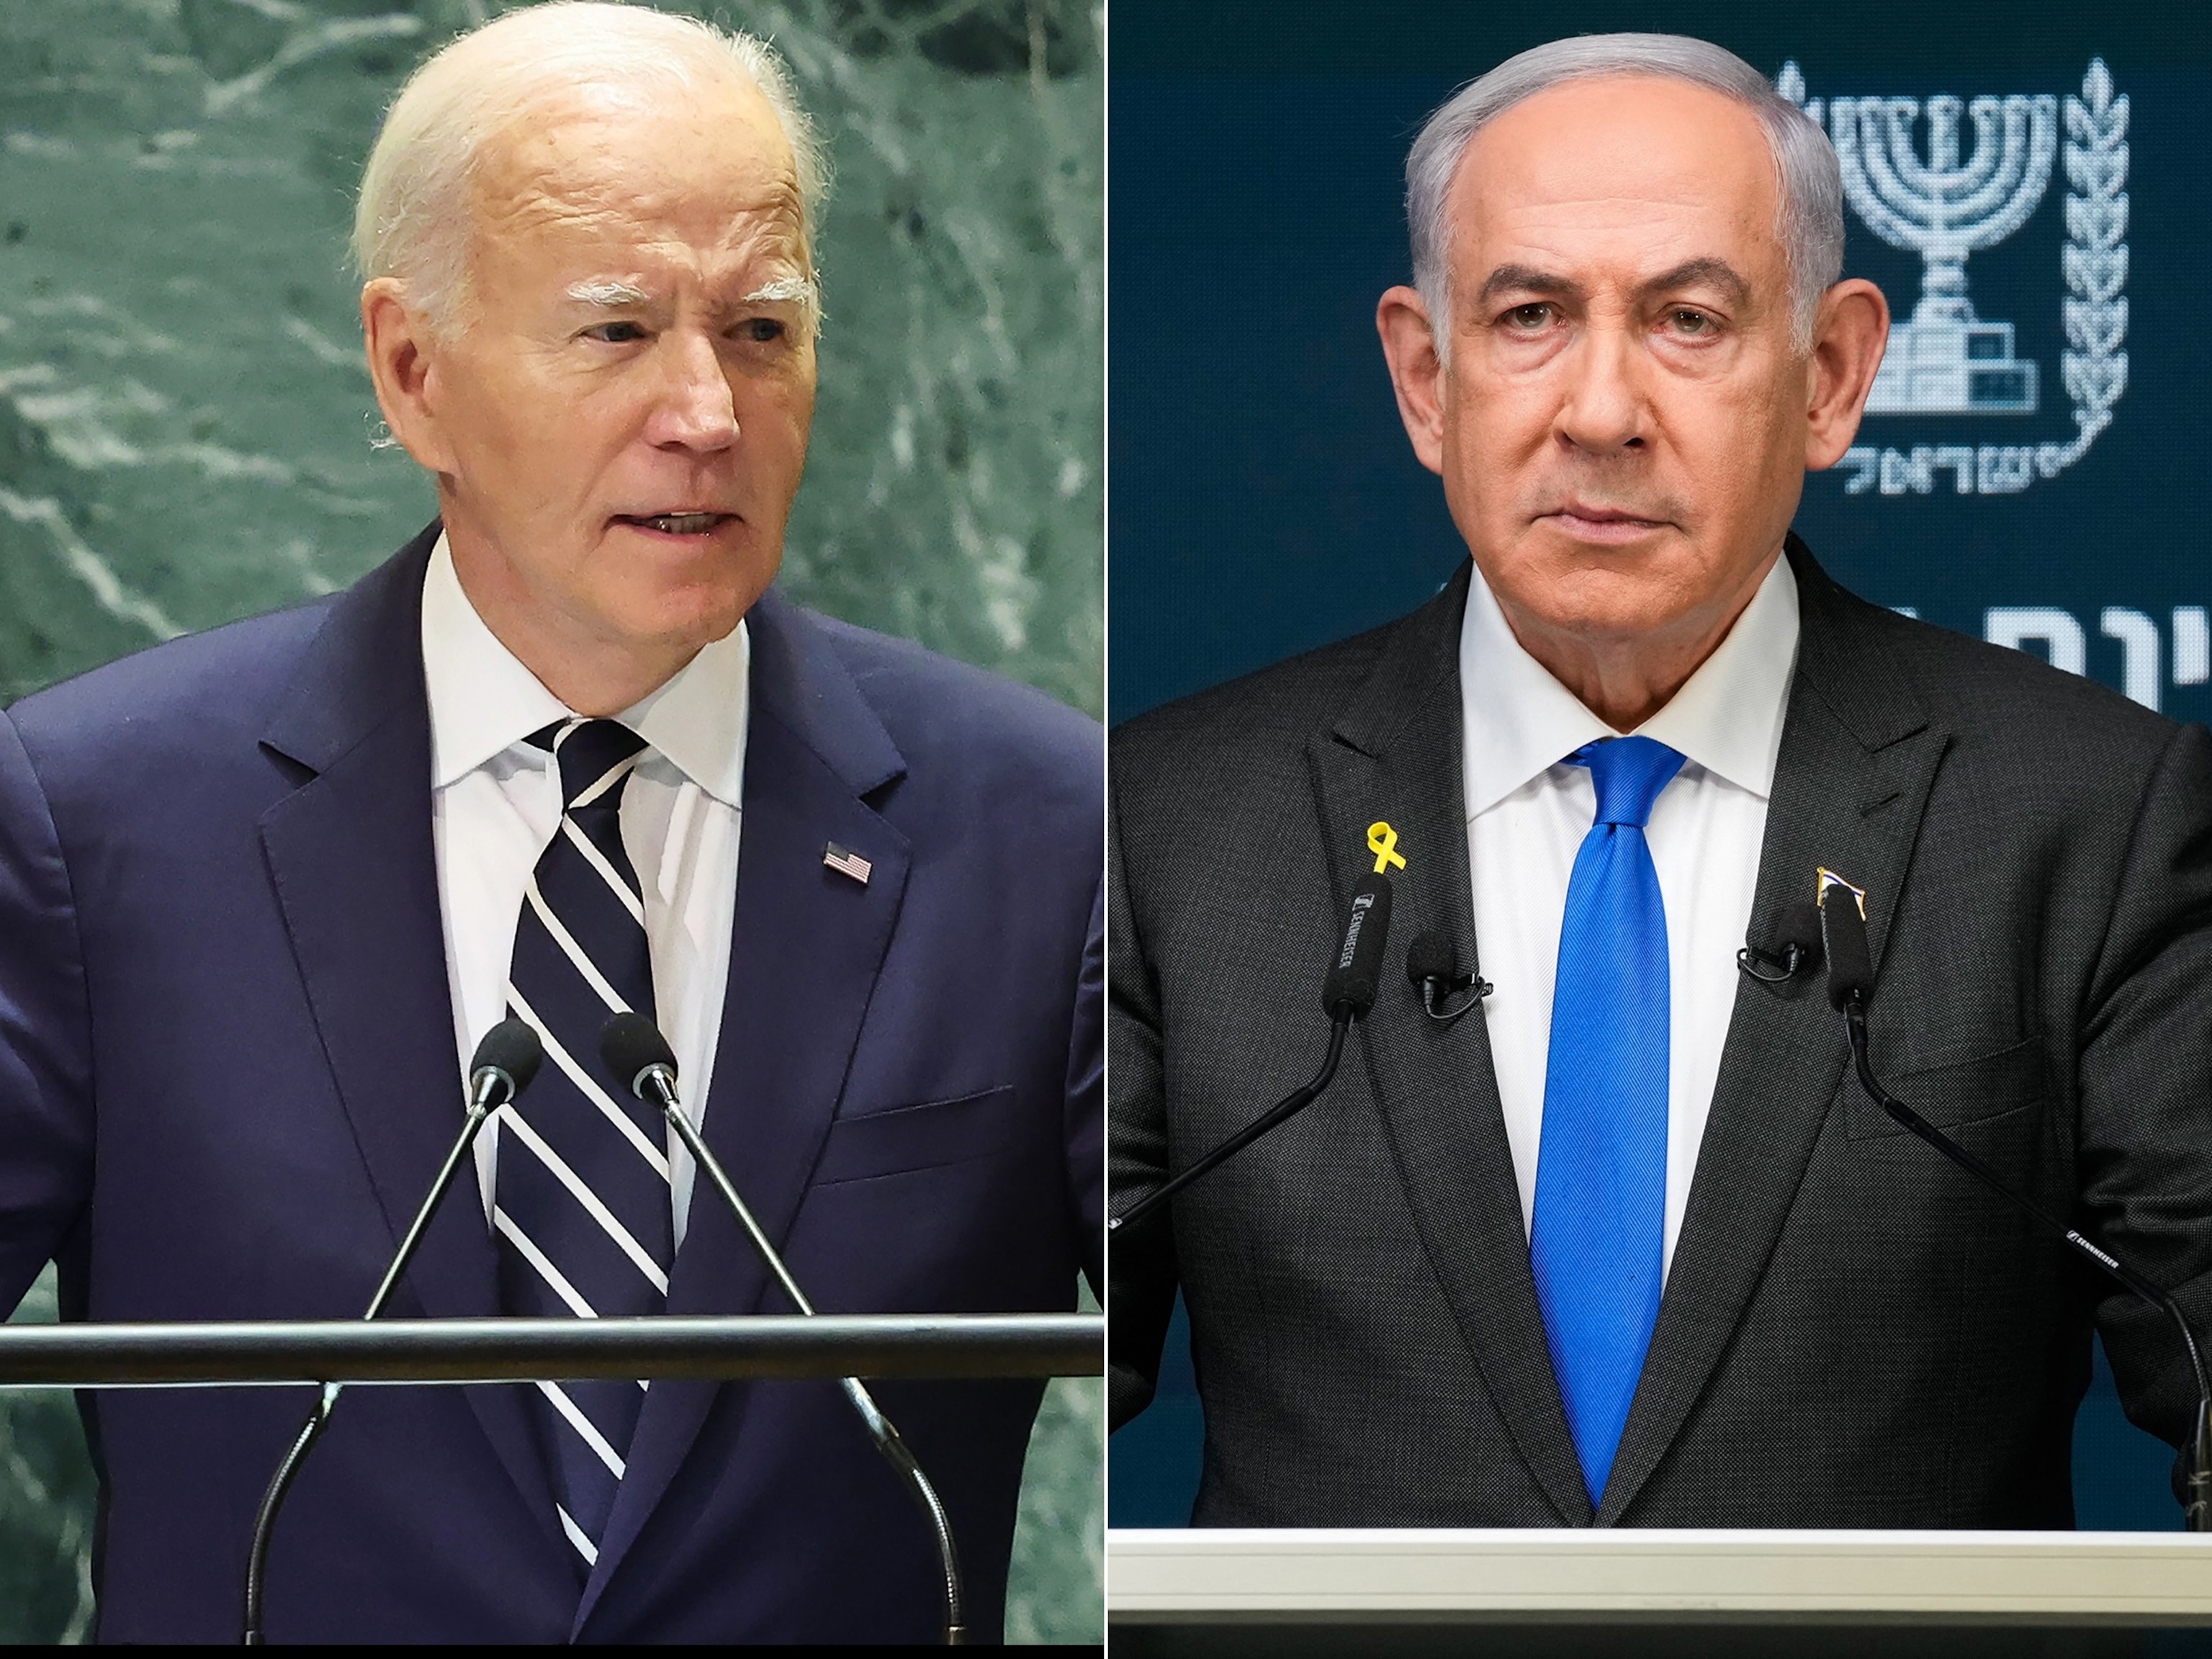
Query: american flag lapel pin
x=847, y=862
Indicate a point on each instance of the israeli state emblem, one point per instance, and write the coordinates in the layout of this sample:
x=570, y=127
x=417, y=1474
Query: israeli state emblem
x=1948, y=177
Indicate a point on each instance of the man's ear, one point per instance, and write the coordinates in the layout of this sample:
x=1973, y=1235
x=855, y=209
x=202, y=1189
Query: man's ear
x=403, y=366
x=1850, y=332
x=1409, y=346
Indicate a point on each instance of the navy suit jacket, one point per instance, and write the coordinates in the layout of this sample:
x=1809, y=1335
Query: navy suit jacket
x=227, y=1074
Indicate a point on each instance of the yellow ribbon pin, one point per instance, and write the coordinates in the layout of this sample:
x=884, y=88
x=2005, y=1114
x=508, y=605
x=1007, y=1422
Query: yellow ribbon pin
x=1382, y=841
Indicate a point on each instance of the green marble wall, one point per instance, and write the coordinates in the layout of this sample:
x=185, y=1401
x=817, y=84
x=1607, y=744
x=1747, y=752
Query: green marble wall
x=185, y=423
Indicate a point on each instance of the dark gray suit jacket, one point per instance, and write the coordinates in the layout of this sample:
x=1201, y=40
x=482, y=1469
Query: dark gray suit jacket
x=1853, y=1333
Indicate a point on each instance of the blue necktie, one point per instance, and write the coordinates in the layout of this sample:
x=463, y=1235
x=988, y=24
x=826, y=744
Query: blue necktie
x=582, y=1216
x=1597, y=1235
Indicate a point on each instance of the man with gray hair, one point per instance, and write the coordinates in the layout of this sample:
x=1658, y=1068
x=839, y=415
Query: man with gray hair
x=566, y=756
x=1596, y=1224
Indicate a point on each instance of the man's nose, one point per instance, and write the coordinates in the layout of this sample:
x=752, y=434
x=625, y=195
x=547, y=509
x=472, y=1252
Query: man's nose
x=693, y=409
x=1604, y=410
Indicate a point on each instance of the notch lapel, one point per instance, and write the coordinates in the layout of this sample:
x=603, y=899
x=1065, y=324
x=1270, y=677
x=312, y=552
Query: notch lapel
x=1859, y=754
x=1396, y=754
x=350, y=855
x=808, y=943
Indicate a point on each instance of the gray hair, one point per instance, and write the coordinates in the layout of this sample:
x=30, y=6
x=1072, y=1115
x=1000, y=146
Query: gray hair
x=1810, y=218
x=413, y=219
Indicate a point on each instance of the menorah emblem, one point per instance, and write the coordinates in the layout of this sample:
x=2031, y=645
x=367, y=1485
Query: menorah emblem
x=1946, y=361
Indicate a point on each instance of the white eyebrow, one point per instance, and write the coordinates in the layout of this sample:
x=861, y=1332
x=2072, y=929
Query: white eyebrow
x=783, y=288
x=608, y=294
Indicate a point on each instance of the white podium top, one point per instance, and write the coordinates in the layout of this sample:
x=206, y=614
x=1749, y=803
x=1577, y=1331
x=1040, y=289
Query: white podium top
x=1203, y=1573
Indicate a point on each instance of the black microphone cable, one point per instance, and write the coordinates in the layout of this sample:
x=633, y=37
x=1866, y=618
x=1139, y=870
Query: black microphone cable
x=1346, y=995
x=505, y=1062
x=633, y=1048
x=1851, y=983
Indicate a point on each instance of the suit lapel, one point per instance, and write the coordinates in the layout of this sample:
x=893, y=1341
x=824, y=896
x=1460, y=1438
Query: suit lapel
x=807, y=946
x=350, y=856
x=1395, y=754
x=1859, y=754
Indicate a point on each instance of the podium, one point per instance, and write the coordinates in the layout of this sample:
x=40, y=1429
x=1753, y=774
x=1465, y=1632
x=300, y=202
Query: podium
x=1566, y=1594
x=277, y=1352
x=337, y=1354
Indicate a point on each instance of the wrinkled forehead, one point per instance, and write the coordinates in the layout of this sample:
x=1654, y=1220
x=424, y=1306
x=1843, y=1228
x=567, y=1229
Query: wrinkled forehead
x=706, y=170
x=1615, y=161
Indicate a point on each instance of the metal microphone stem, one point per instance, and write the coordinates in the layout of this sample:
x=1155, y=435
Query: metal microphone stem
x=2196, y=1509
x=489, y=1094
x=480, y=1110
x=1296, y=1101
x=881, y=1429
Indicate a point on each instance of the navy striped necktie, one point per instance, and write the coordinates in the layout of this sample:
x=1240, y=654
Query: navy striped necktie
x=582, y=1213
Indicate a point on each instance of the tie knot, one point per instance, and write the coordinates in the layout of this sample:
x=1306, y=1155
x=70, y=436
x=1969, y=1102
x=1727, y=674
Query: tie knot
x=595, y=758
x=1629, y=773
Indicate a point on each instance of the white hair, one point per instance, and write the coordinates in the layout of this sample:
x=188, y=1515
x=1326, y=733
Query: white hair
x=1809, y=215
x=413, y=220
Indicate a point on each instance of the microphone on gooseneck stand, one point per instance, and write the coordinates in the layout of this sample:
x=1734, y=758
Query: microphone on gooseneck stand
x=501, y=1068
x=633, y=1048
x=1433, y=967
x=1355, y=977
x=1850, y=986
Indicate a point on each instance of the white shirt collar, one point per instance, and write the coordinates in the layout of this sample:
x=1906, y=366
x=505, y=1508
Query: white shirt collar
x=1519, y=722
x=483, y=701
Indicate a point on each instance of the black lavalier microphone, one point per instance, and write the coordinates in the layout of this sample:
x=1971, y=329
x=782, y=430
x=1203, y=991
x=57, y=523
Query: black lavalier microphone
x=1355, y=978
x=633, y=1049
x=1850, y=984
x=1793, y=947
x=1433, y=967
x=501, y=1068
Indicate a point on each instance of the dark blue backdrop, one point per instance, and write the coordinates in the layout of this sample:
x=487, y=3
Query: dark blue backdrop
x=1263, y=499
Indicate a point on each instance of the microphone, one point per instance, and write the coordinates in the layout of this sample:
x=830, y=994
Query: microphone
x=1850, y=984
x=1354, y=982
x=1433, y=967
x=633, y=1048
x=1793, y=947
x=501, y=1068
x=1347, y=995
x=505, y=1064
x=1850, y=964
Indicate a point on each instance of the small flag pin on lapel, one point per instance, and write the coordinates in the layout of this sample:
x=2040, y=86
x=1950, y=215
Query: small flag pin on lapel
x=846, y=862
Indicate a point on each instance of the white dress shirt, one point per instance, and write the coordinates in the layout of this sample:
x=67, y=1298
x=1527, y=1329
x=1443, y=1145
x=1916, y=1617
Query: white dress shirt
x=496, y=804
x=1528, y=811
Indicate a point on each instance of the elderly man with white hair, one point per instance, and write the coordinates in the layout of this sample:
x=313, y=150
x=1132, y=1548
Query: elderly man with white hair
x=1597, y=1225
x=566, y=755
